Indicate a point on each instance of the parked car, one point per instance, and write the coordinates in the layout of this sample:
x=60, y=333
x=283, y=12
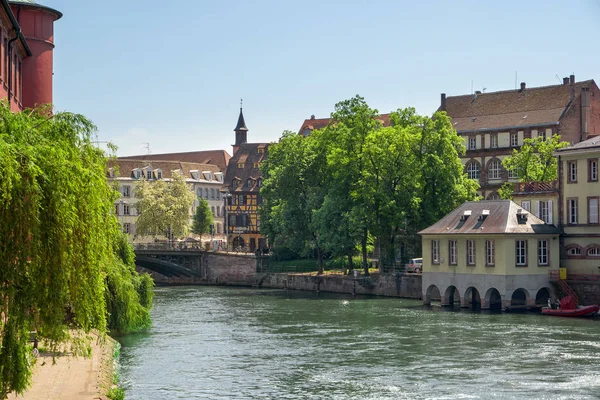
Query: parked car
x=415, y=265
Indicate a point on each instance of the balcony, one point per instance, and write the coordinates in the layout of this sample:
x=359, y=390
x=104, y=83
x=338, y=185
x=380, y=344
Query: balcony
x=527, y=188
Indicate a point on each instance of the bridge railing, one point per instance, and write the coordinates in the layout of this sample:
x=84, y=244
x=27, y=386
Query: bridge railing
x=178, y=246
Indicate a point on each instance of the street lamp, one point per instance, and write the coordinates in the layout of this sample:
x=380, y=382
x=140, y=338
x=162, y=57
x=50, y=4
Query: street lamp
x=226, y=196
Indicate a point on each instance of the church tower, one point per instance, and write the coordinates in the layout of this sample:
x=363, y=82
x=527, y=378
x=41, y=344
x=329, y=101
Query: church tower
x=241, y=132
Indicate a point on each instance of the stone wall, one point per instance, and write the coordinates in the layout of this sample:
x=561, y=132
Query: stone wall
x=588, y=292
x=228, y=269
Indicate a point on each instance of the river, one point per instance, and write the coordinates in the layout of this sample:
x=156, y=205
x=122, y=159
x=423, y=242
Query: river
x=238, y=343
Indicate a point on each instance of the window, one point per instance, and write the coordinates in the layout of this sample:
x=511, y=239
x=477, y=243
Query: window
x=218, y=211
x=241, y=165
x=218, y=228
x=490, y=253
x=452, y=252
x=260, y=150
x=435, y=251
x=542, y=134
x=138, y=173
x=513, y=173
x=594, y=252
x=542, y=252
x=572, y=172
x=471, y=144
x=470, y=252
x=234, y=183
x=206, y=193
x=212, y=209
x=593, y=170
x=494, y=169
x=494, y=141
x=526, y=204
x=125, y=209
x=241, y=199
x=256, y=165
x=521, y=252
x=593, y=210
x=149, y=174
x=158, y=174
x=249, y=183
x=545, y=211
x=218, y=195
x=514, y=139
x=126, y=191
x=126, y=228
x=199, y=192
x=572, y=210
x=473, y=170
x=212, y=193
x=574, y=251
x=116, y=209
x=494, y=196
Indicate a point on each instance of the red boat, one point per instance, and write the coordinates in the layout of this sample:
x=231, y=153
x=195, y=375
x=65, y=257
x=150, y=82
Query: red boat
x=569, y=308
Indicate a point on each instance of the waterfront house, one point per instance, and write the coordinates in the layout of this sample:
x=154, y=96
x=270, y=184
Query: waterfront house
x=492, y=254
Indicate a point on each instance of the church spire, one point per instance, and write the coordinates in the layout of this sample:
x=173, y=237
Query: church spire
x=241, y=131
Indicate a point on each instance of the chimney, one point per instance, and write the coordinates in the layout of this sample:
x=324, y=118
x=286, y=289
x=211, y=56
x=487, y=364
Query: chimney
x=585, y=113
x=312, y=117
x=443, y=104
x=565, y=81
x=522, y=86
x=572, y=79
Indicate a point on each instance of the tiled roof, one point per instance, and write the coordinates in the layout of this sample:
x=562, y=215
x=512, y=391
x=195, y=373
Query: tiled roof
x=126, y=167
x=219, y=158
x=320, y=123
x=247, y=154
x=513, y=108
x=502, y=218
x=590, y=143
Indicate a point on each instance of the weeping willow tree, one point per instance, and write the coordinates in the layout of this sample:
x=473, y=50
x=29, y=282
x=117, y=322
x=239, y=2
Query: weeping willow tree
x=64, y=264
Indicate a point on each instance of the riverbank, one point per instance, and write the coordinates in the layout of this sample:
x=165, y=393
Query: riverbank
x=71, y=377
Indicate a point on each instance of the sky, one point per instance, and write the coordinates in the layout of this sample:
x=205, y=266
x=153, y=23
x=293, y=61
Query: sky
x=171, y=73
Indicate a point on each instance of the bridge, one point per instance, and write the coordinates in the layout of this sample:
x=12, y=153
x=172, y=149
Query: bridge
x=170, y=260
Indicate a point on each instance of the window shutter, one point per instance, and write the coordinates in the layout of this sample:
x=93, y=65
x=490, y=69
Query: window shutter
x=550, y=212
x=537, y=208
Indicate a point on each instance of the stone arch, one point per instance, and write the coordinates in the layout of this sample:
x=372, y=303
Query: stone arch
x=542, y=296
x=493, y=196
x=520, y=297
x=432, y=293
x=472, y=298
x=451, y=297
x=492, y=300
x=496, y=163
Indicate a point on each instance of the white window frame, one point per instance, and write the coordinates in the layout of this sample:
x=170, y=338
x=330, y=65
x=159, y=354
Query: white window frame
x=435, y=251
x=593, y=252
x=126, y=209
x=471, y=255
x=514, y=140
x=521, y=252
x=572, y=211
x=452, y=259
x=574, y=251
x=126, y=227
x=593, y=204
x=544, y=210
x=495, y=169
x=526, y=204
x=473, y=170
x=472, y=143
x=593, y=170
x=490, y=253
x=494, y=141
x=572, y=171
x=543, y=258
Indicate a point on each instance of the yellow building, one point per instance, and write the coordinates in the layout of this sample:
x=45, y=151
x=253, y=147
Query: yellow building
x=492, y=254
x=579, y=202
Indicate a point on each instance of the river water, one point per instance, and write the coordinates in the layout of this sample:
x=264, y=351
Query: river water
x=236, y=343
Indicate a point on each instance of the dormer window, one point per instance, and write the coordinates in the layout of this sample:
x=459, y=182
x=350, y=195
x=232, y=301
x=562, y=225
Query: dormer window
x=219, y=176
x=256, y=165
x=195, y=174
x=261, y=150
x=207, y=175
x=158, y=173
x=149, y=174
x=241, y=165
x=250, y=183
x=111, y=172
x=234, y=183
x=137, y=173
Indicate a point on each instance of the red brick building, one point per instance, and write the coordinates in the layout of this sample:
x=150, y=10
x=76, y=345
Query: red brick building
x=495, y=123
x=26, y=53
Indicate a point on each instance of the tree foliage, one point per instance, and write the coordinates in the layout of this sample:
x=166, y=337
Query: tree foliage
x=535, y=160
x=203, y=218
x=164, y=207
x=62, y=255
x=356, y=180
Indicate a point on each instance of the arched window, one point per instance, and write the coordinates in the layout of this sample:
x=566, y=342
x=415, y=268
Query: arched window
x=574, y=251
x=494, y=169
x=473, y=170
x=594, y=252
x=493, y=196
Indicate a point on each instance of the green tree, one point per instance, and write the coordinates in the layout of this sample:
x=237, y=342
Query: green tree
x=164, y=207
x=535, y=160
x=203, y=218
x=62, y=245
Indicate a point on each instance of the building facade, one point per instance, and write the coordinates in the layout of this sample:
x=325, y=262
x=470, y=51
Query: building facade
x=493, y=124
x=241, y=191
x=492, y=254
x=579, y=204
x=204, y=180
x=26, y=53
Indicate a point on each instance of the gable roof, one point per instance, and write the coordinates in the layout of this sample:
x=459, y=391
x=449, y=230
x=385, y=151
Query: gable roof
x=510, y=109
x=220, y=158
x=319, y=123
x=247, y=154
x=502, y=218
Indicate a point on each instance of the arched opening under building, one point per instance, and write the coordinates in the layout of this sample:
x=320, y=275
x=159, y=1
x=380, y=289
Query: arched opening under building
x=432, y=295
x=542, y=296
x=493, y=299
x=452, y=297
x=519, y=298
x=238, y=242
x=472, y=298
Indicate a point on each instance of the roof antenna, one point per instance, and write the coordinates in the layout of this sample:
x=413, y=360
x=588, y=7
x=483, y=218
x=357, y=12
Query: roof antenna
x=558, y=79
x=147, y=146
x=516, y=75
